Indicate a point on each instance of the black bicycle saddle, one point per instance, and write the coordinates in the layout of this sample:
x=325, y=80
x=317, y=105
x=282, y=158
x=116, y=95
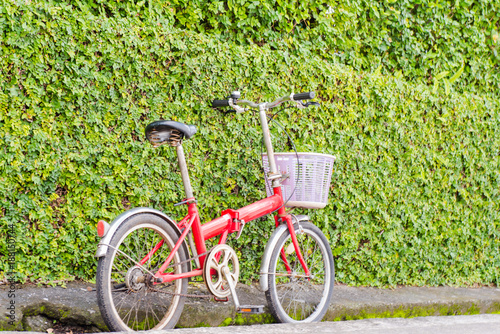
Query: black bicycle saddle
x=162, y=131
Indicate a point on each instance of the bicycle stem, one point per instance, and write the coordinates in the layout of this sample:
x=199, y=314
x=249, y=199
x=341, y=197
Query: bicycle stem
x=273, y=170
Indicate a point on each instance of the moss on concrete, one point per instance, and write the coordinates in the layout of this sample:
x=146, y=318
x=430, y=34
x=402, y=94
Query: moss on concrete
x=6, y=323
x=248, y=319
x=494, y=308
x=418, y=311
x=201, y=324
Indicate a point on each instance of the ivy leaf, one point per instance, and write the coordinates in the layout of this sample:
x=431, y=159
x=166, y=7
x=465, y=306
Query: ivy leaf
x=447, y=86
x=458, y=74
x=442, y=75
x=376, y=73
x=436, y=86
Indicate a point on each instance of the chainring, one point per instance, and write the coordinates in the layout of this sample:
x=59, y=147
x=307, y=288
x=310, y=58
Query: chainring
x=221, y=256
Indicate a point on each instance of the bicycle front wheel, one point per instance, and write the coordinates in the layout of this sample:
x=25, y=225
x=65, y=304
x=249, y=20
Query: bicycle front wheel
x=292, y=296
x=127, y=298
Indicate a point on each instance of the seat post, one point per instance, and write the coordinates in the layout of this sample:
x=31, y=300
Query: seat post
x=184, y=171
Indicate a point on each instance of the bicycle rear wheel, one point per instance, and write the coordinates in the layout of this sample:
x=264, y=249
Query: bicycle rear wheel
x=126, y=297
x=293, y=297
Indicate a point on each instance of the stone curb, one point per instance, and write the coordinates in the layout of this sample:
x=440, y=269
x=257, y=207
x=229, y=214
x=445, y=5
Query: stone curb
x=37, y=308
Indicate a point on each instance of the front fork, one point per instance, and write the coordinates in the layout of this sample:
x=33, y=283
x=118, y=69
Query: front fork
x=288, y=219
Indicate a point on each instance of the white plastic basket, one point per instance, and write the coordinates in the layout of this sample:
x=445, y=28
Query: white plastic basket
x=311, y=178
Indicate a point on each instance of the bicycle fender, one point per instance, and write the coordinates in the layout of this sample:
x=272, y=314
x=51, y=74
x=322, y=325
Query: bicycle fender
x=266, y=257
x=102, y=248
x=268, y=251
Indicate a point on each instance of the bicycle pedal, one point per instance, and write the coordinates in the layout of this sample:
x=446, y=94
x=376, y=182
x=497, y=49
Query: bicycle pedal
x=221, y=300
x=250, y=309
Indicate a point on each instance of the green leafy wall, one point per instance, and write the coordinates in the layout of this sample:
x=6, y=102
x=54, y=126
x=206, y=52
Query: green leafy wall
x=415, y=193
x=420, y=39
x=414, y=39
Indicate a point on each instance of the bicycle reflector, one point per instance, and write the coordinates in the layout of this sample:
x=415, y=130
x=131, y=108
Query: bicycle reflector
x=102, y=228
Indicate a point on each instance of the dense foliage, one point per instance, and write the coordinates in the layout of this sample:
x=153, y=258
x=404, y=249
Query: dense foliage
x=421, y=40
x=415, y=196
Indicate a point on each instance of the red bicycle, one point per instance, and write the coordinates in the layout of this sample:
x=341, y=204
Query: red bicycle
x=146, y=258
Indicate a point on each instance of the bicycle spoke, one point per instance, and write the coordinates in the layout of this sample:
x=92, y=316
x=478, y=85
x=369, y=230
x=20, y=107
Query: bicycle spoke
x=154, y=313
x=149, y=248
x=119, y=304
x=126, y=318
x=136, y=310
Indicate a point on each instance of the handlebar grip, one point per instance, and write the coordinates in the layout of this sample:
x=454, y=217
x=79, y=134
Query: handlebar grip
x=304, y=96
x=220, y=103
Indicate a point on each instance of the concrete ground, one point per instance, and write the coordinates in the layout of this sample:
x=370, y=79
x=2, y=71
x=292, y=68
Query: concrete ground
x=465, y=324
x=75, y=309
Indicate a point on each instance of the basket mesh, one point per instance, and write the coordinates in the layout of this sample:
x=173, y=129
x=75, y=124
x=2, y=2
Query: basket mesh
x=311, y=176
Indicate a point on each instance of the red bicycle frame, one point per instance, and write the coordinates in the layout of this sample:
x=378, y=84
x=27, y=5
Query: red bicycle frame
x=230, y=220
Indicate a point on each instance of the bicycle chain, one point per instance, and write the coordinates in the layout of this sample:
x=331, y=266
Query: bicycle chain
x=181, y=294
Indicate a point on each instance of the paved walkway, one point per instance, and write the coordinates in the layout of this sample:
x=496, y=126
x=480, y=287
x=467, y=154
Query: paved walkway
x=465, y=324
x=36, y=308
x=461, y=324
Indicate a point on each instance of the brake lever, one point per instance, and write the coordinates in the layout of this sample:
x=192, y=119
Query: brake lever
x=237, y=109
x=302, y=105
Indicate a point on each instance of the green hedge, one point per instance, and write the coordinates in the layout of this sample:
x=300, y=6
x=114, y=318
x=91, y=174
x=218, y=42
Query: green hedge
x=423, y=40
x=415, y=193
x=429, y=41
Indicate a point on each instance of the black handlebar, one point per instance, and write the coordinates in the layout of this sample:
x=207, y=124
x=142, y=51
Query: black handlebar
x=294, y=97
x=304, y=96
x=220, y=103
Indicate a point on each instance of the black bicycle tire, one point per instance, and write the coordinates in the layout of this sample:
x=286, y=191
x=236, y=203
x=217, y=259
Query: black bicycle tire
x=103, y=286
x=271, y=294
